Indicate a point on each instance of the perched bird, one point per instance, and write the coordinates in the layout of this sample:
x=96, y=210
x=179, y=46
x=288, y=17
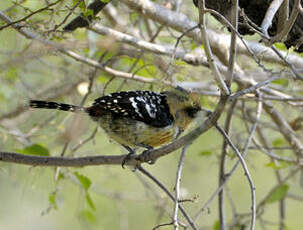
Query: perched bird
x=138, y=118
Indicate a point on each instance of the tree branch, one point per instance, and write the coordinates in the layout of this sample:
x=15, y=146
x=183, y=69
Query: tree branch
x=177, y=187
x=270, y=13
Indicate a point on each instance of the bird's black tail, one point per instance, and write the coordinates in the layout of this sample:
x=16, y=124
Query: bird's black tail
x=55, y=105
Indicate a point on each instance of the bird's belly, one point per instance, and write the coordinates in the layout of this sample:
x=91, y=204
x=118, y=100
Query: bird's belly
x=136, y=133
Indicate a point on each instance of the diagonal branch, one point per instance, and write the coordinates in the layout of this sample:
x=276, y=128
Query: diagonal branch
x=29, y=15
x=202, y=25
x=289, y=24
x=284, y=128
x=146, y=173
x=269, y=16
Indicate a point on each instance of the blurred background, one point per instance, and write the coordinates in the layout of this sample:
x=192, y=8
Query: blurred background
x=109, y=197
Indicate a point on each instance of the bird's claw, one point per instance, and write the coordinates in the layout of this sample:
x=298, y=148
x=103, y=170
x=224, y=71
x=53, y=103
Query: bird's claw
x=127, y=158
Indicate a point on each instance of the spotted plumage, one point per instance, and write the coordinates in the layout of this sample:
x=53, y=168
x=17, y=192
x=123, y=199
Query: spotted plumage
x=146, y=106
x=138, y=118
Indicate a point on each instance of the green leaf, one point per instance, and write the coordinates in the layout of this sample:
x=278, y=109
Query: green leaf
x=88, y=216
x=105, y=1
x=280, y=46
x=2, y=97
x=286, y=227
x=281, y=81
x=90, y=202
x=52, y=200
x=278, y=142
x=134, y=16
x=234, y=87
x=206, y=102
x=278, y=165
x=88, y=12
x=193, y=46
x=205, y=153
x=84, y=180
x=216, y=225
x=61, y=176
x=278, y=194
x=81, y=5
x=103, y=78
x=12, y=73
x=35, y=149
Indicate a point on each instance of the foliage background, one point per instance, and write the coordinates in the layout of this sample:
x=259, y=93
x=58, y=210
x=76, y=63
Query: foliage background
x=108, y=197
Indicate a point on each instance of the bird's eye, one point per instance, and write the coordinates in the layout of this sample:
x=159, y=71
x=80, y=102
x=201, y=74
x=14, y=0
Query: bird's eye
x=191, y=111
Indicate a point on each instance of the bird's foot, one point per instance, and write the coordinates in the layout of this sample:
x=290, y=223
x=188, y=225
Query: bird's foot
x=145, y=154
x=128, y=156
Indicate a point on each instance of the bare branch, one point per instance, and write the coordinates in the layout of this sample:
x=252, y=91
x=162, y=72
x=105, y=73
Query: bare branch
x=221, y=198
x=148, y=46
x=254, y=87
x=218, y=77
x=289, y=24
x=273, y=189
x=270, y=13
x=181, y=23
x=30, y=15
x=285, y=129
x=177, y=187
x=247, y=174
x=170, y=195
x=233, y=42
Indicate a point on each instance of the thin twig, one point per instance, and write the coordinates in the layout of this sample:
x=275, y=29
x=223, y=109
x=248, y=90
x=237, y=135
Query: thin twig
x=202, y=25
x=177, y=187
x=65, y=18
x=171, y=196
x=274, y=189
x=289, y=24
x=247, y=174
x=231, y=172
x=162, y=225
x=49, y=93
x=77, y=57
x=291, y=66
x=227, y=127
x=81, y=143
x=151, y=47
x=233, y=42
x=264, y=140
x=29, y=15
x=254, y=87
x=285, y=128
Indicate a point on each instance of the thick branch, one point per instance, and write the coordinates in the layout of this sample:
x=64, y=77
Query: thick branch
x=182, y=23
x=289, y=24
x=63, y=161
x=148, y=46
x=270, y=13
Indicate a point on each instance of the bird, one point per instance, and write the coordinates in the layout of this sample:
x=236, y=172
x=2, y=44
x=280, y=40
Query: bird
x=82, y=20
x=138, y=118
